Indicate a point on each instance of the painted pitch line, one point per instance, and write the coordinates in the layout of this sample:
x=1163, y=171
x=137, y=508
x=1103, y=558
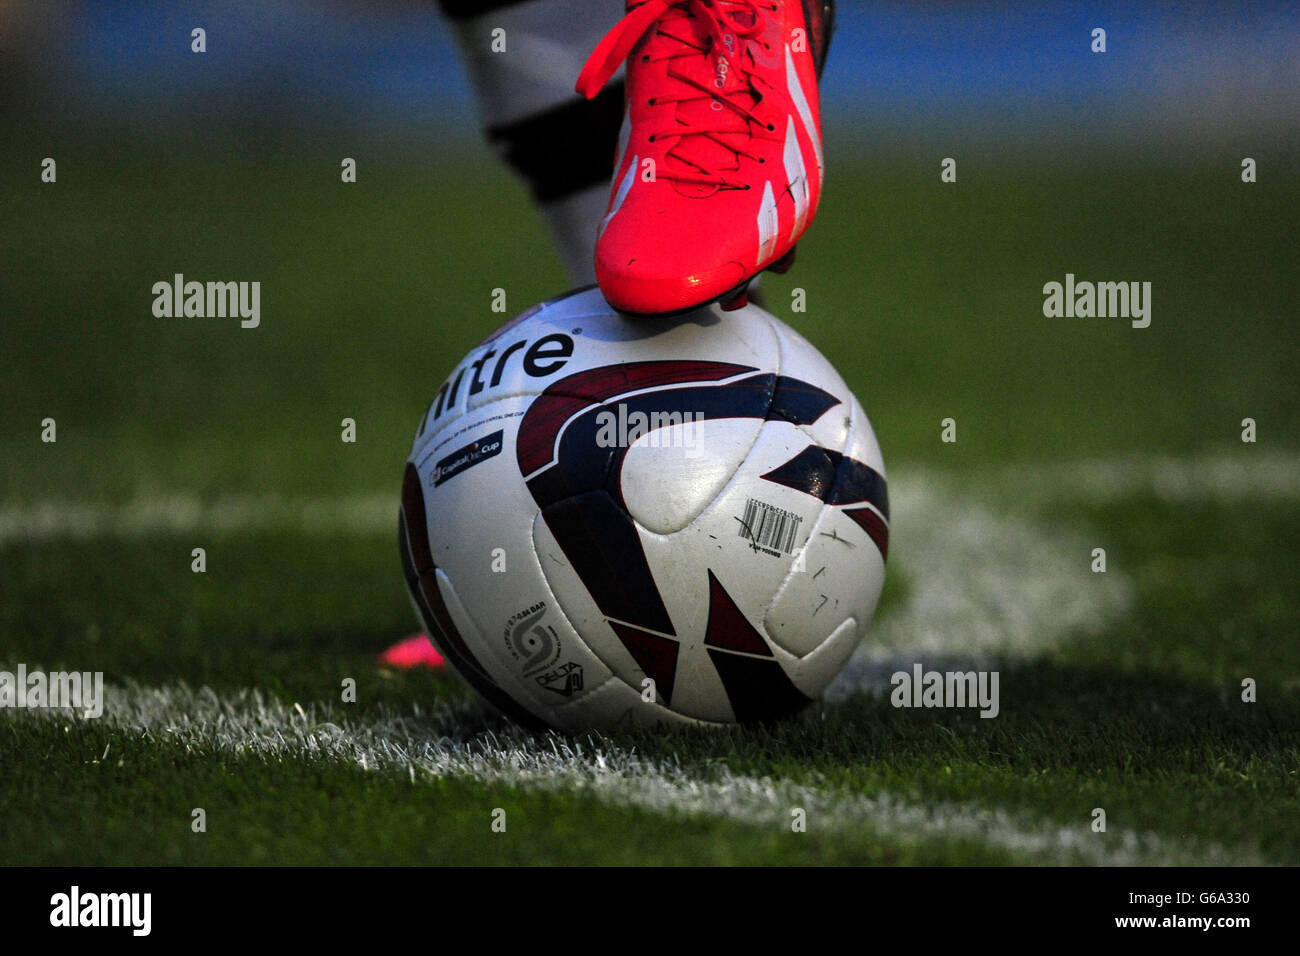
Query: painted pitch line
x=1239, y=477
x=185, y=514
x=981, y=584
x=1234, y=477
x=447, y=742
x=987, y=586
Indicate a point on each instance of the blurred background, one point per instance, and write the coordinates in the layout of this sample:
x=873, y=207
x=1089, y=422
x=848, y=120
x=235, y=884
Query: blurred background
x=1195, y=73
x=226, y=165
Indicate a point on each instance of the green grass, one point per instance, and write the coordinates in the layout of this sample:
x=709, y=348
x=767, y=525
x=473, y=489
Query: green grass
x=929, y=300
x=136, y=806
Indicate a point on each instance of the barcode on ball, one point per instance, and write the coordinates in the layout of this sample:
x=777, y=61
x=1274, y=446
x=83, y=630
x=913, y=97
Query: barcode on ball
x=769, y=528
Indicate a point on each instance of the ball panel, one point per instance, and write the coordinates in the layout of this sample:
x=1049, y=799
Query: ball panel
x=672, y=474
x=430, y=591
x=615, y=705
x=813, y=673
x=799, y=359
x=838, y=574
x=479, y=520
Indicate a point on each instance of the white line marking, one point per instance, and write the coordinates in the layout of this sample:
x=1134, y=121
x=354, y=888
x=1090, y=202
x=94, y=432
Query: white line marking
x=1244, y=476
x=985, y=585
x=447, y=742
x=1221, y=477
x=184, y=514
x=981, y=586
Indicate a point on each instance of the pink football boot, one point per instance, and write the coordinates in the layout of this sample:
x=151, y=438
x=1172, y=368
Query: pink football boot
x=720, y=168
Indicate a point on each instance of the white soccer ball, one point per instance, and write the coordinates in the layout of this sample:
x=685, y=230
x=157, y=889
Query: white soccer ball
x=616, y=521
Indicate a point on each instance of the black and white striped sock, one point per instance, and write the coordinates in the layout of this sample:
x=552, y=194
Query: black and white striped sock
x=561, y=144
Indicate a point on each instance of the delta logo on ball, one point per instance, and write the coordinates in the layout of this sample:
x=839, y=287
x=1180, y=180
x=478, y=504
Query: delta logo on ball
x=609, y=521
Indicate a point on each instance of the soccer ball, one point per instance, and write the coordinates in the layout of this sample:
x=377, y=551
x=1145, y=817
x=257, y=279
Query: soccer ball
x=612, y=521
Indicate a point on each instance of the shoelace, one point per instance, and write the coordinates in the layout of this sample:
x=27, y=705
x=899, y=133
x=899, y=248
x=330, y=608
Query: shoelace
x=740, y=19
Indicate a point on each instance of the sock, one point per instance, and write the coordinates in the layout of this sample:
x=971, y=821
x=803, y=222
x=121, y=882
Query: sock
x=561, y=144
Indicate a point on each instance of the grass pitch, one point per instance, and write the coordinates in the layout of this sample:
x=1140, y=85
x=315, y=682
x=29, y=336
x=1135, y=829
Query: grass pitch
x=1119, y=691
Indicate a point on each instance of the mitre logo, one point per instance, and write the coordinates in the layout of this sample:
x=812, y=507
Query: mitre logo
x=538, y=359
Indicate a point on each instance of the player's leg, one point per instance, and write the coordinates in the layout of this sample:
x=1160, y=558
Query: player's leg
x=721, y=171
x=562, y=144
